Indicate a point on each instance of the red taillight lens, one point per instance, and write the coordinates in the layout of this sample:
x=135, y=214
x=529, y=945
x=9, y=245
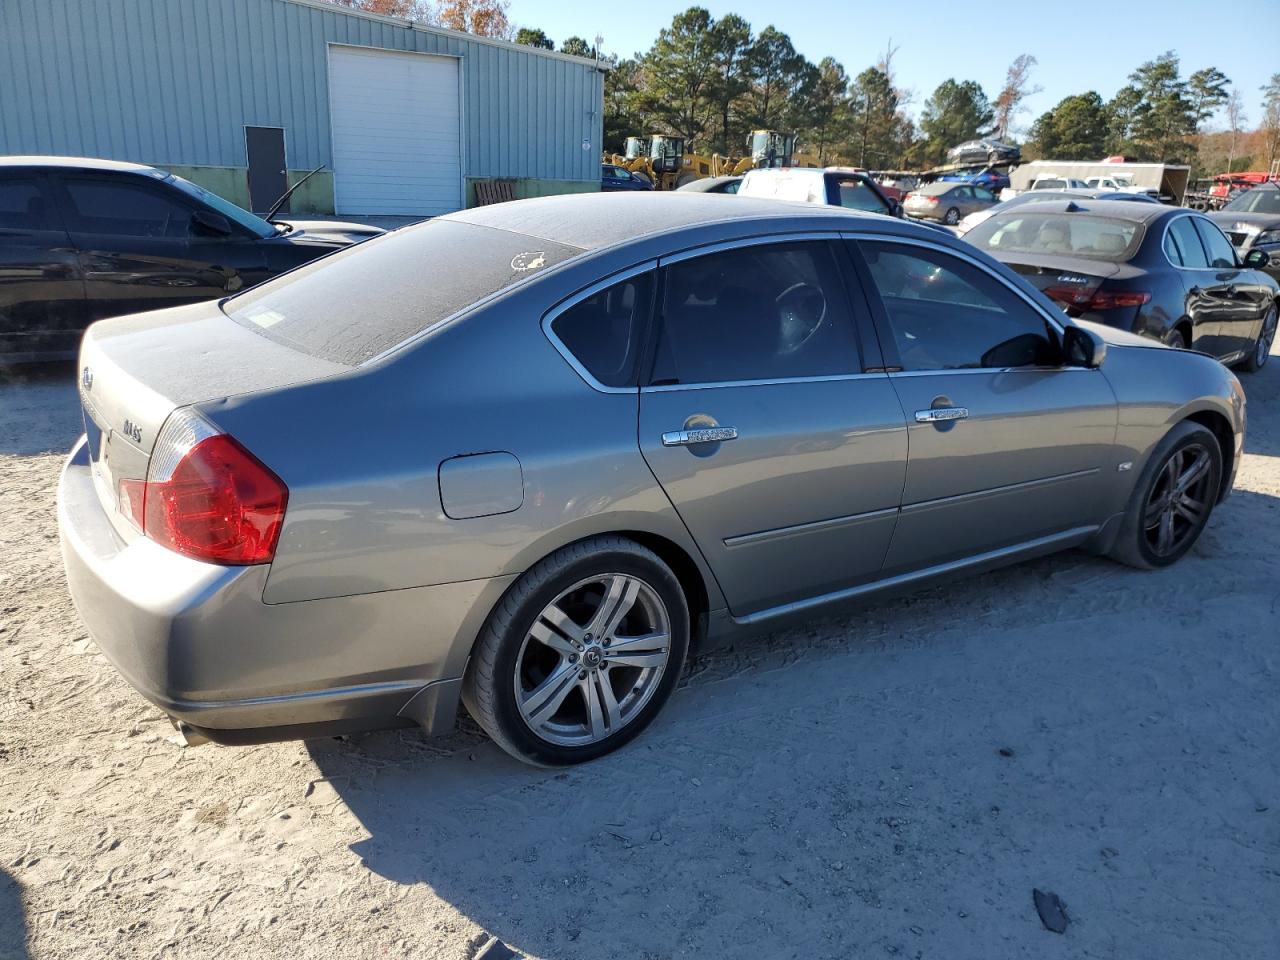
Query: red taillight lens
x=1086, y=298
x=1104, y=300
x=220, y=504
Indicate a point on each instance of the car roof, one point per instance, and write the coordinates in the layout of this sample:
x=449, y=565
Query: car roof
x=940, y=186
x=1135, y=211
x=594, y=221
x=80, y=163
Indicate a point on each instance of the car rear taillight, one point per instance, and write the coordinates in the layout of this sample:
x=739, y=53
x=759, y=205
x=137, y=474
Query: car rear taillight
x=1083, y=298
x=206, y=496
x=1106, y=300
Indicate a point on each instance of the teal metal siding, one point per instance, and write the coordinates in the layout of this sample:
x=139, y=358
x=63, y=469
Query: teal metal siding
x=176, y=81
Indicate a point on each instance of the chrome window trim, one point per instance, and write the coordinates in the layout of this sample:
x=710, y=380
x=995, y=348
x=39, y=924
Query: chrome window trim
x=1199, y=216
x=571, y=301
x=776, y=381
x=743, y=242
x=1191, y=215
x=972, y=261
x=974, y=370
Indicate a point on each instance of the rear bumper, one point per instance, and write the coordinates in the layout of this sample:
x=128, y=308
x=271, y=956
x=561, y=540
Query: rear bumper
x=198, y=641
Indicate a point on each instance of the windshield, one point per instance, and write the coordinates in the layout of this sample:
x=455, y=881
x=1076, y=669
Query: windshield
x=362, y=301
x=256, y=225
x=1256, y=201
x=1056, y=234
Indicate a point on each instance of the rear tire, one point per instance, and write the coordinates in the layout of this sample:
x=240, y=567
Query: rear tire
x=1262, y=346
x=952, y=217
x=581, y=653
x=1172, y=500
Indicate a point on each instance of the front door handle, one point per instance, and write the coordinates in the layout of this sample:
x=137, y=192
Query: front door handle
x=687, y=438
x=938, y=414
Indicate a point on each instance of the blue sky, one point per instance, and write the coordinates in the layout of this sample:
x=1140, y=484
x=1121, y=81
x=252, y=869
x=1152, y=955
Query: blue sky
x=941, y=40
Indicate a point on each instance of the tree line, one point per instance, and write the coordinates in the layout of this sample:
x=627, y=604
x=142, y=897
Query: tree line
x=713, y=81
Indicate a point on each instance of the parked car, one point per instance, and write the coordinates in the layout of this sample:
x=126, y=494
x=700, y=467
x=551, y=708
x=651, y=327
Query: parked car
x=1045, y=196
x=726, y=184
x=1252, y=222
x=614, y=177
x=947, y=202
x=1054, y=182
x=1165, y=273
x=851, y=189
x=95, y=238
x=283, y=523
x=895, y=186
x=993, y=180
x=984, y=151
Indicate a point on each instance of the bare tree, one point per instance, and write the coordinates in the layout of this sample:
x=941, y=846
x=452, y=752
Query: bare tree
x=1017, y=87
x=1235, y=123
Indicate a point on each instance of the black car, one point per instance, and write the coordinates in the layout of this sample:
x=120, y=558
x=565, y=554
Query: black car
x=1165, y=273
x=1252, y=222
x=84, y=239
x=614, y=177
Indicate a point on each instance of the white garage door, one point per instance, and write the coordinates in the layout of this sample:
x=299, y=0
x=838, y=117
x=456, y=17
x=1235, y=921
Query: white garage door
x=396, y=138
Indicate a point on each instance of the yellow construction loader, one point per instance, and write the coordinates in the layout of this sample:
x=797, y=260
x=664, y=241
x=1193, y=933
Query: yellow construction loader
x=663, y=159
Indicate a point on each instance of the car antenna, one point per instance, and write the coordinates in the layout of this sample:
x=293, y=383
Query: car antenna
x=284, y=197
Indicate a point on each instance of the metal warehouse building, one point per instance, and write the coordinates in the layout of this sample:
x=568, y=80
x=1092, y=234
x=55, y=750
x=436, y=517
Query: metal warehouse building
x=239, y=95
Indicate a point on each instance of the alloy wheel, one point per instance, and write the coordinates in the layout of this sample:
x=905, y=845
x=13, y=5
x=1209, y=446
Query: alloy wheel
x=1180, y=499
x=1265, y=338
x=593, y=658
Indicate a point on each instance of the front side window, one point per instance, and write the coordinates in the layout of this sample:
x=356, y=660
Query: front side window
x=22, y=205
x=947, y=314
x=116, y=207
x=604, y=332
x=1221, y=253
x=764, y=312
x=1188, y=242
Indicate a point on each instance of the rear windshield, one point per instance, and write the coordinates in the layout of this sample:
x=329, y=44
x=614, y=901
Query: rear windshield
x=1256, y=201
x=1070, y=235
x=361, y=302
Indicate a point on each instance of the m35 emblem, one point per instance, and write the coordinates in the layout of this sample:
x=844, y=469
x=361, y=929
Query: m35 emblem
x=132, y=431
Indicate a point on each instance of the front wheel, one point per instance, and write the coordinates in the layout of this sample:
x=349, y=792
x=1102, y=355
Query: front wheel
x=1262, y=346
x=952, y=217
x=1173, y=498
x=581, y=653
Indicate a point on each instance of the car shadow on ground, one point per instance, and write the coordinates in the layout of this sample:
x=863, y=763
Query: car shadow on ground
x=900, y=777
x=39, y=409
x=13, y=926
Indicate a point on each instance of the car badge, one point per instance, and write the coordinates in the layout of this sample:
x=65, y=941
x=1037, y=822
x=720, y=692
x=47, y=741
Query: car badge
x=86, y=378
x=1072, y=278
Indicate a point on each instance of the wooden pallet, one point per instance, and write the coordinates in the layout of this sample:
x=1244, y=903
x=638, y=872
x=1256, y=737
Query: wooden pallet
x=494, y=191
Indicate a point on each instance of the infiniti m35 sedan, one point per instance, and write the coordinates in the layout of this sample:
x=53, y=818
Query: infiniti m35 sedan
x=522, y=456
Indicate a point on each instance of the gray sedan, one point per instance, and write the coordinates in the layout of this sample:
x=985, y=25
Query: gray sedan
x=523, y=456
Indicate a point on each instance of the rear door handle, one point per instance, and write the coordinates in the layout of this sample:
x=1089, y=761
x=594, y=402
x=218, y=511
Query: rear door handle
x=938, y=414
x=687, y=438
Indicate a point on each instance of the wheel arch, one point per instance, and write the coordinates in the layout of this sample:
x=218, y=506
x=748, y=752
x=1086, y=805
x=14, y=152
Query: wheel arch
x=1218, y=424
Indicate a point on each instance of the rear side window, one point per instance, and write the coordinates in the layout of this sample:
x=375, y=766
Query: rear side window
x=765, y=312
x=122, y=209
x=362, y=301
x=604, y=332
x=854, y=194
x=1188, y=243
x=946, y=314
x=23, y=206
x=1221, y=253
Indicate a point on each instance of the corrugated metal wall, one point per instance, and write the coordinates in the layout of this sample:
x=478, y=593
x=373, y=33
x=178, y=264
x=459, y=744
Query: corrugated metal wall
x=176, y=81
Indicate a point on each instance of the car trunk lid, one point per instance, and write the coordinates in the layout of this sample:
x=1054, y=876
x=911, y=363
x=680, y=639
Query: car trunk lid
x=134, y=371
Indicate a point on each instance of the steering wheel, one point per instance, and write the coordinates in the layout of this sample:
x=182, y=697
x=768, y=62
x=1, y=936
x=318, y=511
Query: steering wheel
x=801, y=309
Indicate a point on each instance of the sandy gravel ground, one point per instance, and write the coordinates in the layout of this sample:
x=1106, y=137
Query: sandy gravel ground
x=837, y=790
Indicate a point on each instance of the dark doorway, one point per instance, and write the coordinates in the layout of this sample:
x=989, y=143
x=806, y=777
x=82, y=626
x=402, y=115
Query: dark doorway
x=267, y=171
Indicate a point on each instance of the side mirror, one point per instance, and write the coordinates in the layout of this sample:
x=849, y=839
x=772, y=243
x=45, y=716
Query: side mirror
x=895, y=207
x=210, y=224
x=1257, y=259
x=1083, y=348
